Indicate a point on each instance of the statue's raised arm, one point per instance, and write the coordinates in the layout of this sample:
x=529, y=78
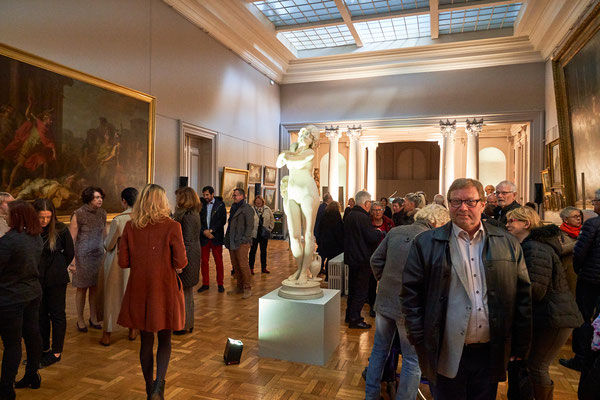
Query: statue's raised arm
x=300, y=204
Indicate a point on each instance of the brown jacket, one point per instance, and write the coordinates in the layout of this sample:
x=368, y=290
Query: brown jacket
x=153, y=299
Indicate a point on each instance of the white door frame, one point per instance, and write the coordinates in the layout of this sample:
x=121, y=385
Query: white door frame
x=189, y=130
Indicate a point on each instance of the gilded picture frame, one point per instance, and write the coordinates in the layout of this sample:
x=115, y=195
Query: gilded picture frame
x=270, y=196
x=270, y=178
x=62, y=130
x=576, y=84
x=546, y=182
x=254, y=173
x=251, y=193
x=233, y=178
x=554, y=161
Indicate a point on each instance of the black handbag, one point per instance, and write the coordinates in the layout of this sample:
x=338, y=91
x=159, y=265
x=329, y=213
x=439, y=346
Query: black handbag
x=265, y=233
x=519, y=384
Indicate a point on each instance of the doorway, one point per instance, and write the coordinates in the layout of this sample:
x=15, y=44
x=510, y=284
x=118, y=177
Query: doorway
x=198, y=156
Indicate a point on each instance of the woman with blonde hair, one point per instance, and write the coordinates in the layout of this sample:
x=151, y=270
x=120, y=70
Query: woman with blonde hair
x=187, y=214
x=152, y=247
x=264, y=222
x=554, y=311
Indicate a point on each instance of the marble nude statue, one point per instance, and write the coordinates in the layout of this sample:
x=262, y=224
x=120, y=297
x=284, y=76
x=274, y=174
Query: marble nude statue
x=301, y=201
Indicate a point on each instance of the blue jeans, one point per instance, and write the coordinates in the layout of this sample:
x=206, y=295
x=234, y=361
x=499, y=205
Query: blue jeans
x=410, y=375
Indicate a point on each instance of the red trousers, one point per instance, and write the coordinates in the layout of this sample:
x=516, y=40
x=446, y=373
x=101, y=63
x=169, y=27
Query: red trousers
x=217, y=251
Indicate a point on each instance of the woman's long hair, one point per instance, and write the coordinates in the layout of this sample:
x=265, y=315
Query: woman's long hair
x=187, y=200
x=46, y=205
x=151, y=206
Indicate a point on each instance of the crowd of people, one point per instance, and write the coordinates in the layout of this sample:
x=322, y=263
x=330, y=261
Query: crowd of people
x=471, y=286
x=139, y=274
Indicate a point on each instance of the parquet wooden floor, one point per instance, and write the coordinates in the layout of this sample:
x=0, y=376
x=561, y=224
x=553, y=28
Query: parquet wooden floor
x=197, y=371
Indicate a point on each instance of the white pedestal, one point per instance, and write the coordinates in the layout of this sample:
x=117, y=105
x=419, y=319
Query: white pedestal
x=306, y=331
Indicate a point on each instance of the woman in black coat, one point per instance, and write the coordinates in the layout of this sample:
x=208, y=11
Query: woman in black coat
x=188, y=215
x=331, y=234
x=57, y=254
x=20, y=294
x=554, y=310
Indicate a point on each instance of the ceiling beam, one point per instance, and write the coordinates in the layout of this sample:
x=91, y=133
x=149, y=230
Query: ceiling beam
x=477, y=4
x=347, y=17
x=308, y=25
x=391, y=14
x=434, y=18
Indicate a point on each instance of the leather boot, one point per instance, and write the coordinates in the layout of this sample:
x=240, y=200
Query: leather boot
x=543, y=392
x=149, y=387
x=158, y=390
x=31, y=379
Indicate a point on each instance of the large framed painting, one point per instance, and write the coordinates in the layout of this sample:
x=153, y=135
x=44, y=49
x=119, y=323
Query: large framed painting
x=251, y=193
x=553, y=155
x=270, y=197
x=270, y=176
x=233, y=178
x=62, y=130
x=576, y=69
x=254, y=173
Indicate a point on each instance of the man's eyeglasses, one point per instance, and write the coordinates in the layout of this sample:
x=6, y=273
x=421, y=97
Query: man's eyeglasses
x=503, y=193
x=456, y=203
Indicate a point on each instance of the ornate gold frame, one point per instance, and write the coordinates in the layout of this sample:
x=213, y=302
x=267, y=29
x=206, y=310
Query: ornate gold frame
x=260, y=169
x=579, y=38
x=51, y=66
x=226, y=171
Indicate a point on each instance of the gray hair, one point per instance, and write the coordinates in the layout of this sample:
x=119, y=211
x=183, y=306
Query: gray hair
x=327, y=197
x=435, y=214
x=4, y=196
x=362, y=197
x=439, y=199
x=513, y=187
x=377, y=203
x=564, y=213
x=413, y=198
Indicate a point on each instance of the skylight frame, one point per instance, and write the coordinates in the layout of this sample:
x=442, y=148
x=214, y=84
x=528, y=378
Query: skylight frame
x=319, y=37
x=298, y=12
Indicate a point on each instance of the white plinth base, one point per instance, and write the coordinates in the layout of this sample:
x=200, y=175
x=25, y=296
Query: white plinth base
x=306, y=331
x=306, y=291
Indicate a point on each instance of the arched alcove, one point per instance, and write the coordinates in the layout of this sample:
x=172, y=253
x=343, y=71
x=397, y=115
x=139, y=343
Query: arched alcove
x=492, y=166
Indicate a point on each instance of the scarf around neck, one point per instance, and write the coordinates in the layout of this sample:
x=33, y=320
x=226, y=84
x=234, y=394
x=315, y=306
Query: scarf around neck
x=572, y=231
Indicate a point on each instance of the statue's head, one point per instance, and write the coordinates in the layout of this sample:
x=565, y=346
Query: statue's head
x=309, y=135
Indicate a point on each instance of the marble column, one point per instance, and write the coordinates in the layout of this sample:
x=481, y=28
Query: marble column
x=441, y=172
x=361, y=178
x=333, y=135
x=372, y=169
x=448, y=130
x=354, y=184
x=473, y=130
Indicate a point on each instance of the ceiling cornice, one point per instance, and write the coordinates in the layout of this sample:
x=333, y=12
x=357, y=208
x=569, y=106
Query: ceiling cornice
x=439, y=57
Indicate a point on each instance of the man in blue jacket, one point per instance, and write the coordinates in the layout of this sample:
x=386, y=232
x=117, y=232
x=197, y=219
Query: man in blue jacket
x=213, y=217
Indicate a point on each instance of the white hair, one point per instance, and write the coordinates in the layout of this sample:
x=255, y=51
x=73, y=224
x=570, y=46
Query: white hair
x=435, y=214
x=362, y=197
x=513, y=187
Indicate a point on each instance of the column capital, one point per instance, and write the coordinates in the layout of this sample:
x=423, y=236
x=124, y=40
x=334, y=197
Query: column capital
x=333, y=133
x=448, y=129
x=474, y=127
x=354, y=133
x=371, y=145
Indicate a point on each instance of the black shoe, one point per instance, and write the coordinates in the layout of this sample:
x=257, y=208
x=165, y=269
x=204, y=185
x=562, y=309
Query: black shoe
x=571, y=363
x=265, y=271
x=372, y=314
x=203, y=288
x=359, y=325
x=31, y=379
x=232, y=272
x=221, y=288
x=49, y=359
x=158, y=390
x=179, y=333
x=95, y=326
x=84, y=329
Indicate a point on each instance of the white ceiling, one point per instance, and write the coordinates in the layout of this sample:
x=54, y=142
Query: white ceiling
x=360, y=50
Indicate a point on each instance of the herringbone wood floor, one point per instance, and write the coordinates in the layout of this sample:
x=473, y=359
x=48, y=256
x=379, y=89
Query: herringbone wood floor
x=197, y=371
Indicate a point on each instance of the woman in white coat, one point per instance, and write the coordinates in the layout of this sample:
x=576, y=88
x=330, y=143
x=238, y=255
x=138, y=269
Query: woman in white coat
x=264, y=223
x=112, y=280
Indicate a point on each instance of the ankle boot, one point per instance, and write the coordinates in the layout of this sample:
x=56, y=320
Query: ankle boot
x=158, y=390
x=31, y=379
x=7, y=392
x=149, y=387
x=543, y=392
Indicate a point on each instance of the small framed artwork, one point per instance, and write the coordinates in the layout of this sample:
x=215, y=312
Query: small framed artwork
x=553, y=154
x=546, y=181
x=269, y=196
x=233, y=178
x=254, y=173
x=270, y=176
x=251, y=193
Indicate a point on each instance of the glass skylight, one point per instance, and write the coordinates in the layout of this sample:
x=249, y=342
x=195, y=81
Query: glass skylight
x=319, y=38
x=373, y=7
x=478, y=19
x=293, y=12
x=446, y=2
x=394, y=28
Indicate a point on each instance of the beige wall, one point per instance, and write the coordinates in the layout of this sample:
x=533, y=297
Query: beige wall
x=145, y=45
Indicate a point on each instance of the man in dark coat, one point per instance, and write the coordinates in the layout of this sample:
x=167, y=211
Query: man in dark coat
x=467, y=300
x=213, y=217
x=316, y=230
x=586, y=263
x=360, y=240
x=506, y=194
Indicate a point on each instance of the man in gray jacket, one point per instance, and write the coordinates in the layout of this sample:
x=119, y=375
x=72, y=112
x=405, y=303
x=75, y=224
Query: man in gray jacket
x=238, y=239
x=388, y=263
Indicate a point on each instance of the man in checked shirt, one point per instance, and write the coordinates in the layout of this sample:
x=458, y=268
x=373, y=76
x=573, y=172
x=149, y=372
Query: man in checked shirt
x=467, y=300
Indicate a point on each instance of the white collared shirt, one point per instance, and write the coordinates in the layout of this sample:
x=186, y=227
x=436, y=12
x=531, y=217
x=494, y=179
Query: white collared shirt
x=209, y=207
x=471, y=253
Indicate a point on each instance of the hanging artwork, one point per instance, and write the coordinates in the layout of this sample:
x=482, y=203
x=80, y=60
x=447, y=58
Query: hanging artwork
x=270, y=176
x=233, y=178
x=254, y=173
x=62, y=130
x=269, y=196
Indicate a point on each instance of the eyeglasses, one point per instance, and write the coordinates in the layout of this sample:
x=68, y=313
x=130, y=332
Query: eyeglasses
x=503, y=193
x=578, y=216
x=376, y=210
x=512, y=220
x=456, y=203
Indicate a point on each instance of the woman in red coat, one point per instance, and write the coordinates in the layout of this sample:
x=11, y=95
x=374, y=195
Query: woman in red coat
x=152, y=246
